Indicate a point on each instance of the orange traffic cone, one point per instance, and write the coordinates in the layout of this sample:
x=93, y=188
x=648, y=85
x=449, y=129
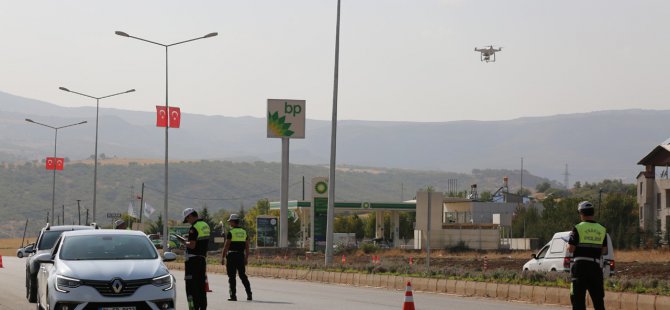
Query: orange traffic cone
x=408, y=304
x=207, y=285
x=1, y=262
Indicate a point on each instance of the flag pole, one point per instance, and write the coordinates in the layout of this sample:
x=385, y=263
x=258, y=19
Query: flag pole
x=141, y=203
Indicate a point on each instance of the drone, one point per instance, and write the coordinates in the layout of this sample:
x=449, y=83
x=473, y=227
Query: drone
x=487, y=52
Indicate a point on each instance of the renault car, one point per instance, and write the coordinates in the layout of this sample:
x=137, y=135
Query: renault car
x=105, y=270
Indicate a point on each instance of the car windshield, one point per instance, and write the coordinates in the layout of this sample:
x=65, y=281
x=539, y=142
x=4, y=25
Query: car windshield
x=48, y=239
x=107, y=247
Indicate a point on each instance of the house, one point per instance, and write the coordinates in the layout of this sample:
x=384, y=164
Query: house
x=653, y=194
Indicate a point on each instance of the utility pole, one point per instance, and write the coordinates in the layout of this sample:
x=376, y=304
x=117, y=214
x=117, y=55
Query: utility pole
x=24, y=233
x=79, y=210
x=63, y=214
x=86, y=216
x=47, y=217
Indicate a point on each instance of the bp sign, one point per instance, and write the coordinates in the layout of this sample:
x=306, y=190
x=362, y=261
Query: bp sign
x=286, y=118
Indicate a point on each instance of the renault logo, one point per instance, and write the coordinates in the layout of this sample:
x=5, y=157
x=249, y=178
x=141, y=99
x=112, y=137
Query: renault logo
x=117, y=286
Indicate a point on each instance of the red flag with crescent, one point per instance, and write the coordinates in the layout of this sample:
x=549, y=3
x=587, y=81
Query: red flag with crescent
x=161, y=116
x=51, y=163
x=175, y=117
x=60, y=162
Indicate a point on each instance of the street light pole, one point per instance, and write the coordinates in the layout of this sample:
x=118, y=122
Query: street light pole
x=53, y=194
x=165, y=204
x=95, y=160
x=333, y=143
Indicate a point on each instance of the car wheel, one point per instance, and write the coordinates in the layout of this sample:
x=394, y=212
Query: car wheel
x=20, y=254
x=31, y=290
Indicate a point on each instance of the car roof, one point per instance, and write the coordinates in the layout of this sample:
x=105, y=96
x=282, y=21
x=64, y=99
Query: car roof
x=70, y=227
x=98, y=232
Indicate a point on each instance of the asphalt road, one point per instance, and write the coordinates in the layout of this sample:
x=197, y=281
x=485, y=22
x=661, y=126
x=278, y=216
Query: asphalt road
x=279, y=294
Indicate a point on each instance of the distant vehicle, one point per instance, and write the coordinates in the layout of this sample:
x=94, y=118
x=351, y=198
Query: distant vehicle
x=487, y=52
x=554, y=256
x=105, y=269
x=25, y=251
x=46, y=240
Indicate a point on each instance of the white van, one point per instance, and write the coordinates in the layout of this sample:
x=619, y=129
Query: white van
x=554, y=256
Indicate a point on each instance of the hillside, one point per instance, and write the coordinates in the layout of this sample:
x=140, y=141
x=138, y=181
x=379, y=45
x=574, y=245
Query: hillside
x=598, y=145
x=26, y=189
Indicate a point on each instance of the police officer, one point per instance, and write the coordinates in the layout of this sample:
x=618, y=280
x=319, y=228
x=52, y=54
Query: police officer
x=195, y=260
x=236, y=255
x=588, y=243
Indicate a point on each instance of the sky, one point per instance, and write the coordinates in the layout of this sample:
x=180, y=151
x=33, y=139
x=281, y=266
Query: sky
x=400, y=60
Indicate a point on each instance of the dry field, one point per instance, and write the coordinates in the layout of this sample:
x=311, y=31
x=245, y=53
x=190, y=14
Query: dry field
x=8, y=247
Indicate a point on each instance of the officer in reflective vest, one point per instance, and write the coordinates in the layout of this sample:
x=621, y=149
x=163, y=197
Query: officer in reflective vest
x=195, y=264
x=588, y=243
x=236, y=255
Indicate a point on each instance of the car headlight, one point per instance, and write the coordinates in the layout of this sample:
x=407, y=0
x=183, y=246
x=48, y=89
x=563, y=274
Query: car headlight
x=63, y=282
x=166, y=280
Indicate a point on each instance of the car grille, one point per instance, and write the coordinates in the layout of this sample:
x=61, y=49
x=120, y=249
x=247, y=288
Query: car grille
x=105, y=288
x=138, y=305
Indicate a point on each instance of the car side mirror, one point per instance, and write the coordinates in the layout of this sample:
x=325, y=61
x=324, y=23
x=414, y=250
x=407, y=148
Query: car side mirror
x=169, y=256
x=534, y=256
x=44, y=258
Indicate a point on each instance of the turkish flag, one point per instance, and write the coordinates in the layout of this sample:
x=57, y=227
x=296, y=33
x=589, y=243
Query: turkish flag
x=59, y=163
x=51, y=163
x=175, y=117
x=161, y=116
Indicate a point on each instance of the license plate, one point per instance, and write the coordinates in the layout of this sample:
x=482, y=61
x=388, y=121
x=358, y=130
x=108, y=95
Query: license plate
x=117, y=308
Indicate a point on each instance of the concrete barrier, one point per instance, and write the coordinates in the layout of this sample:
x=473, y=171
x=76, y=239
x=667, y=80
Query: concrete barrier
x=514, y=292
x=451, y=286
x=612, y=300
x=432, y=285
x=441, y=286
x=628, y=301
x=526, y=293
x=491, y=288
x=564, y=297
x=552, y=295
x=400, y=283
x=662, y=302
x=480, y=289
x=502, y=291
x=646, y=302
x=539, y=294
x=470, y=288
x=420, y=284
x=460, y=288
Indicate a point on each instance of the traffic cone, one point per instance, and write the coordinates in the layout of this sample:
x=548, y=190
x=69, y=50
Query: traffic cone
x=207, y=285
x=408, y=304
x=1, y=262
x=344, y=259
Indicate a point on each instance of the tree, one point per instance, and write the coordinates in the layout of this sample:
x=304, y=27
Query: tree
x=543, y=187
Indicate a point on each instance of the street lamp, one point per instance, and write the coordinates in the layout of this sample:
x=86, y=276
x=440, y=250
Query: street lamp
x=165, y=209
x=330, y=222
x=53, y=194
x=95, y=161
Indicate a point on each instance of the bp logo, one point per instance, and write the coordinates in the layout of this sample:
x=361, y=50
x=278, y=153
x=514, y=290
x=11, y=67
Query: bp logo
x=321, y=187
x=365, y=205
x=278, y=125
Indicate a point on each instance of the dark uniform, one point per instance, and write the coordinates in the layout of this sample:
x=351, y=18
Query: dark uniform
x=235, y=261
x=589, y=238
x=196, y=266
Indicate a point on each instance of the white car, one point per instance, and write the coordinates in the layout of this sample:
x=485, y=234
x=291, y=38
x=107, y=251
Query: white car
x=554, y=256
x=105, y=270
x=25, y=251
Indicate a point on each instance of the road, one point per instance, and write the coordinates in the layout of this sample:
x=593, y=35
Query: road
x=272, y=294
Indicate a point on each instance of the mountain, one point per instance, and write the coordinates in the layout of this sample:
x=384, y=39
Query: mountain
x=595, y=146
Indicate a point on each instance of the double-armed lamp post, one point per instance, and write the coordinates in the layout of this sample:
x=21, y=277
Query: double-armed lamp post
x=95, y=160
x=53, y=194
x=165, y=209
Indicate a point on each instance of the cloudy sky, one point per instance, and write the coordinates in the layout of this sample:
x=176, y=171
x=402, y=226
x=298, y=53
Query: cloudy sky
x=407, y=60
